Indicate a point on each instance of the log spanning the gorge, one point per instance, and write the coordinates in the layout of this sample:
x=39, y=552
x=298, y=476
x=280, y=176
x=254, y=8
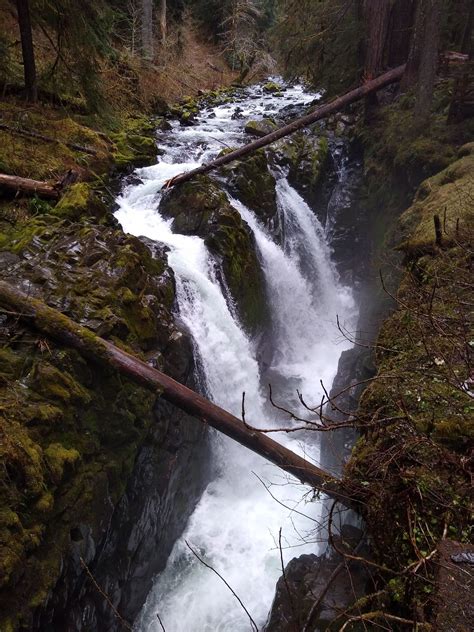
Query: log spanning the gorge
x=322, y=112
x=61, y=328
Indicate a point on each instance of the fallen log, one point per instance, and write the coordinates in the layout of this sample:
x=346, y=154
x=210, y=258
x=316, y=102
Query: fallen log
x=47, y=139
x=61, y=328
x=321, y=112
x=30, y=187
x=38, y=187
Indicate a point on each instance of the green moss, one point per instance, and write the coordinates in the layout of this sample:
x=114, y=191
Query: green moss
x=59, y=459
x=201, y=208
x=272, y=87
x=134, y=143
x=449, y=195
x=31, y=158
x=417, y=415
x=261, y=127
x=78, y=201
x=253, y=184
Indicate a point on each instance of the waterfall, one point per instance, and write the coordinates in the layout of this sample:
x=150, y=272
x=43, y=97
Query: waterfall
x=235, y=526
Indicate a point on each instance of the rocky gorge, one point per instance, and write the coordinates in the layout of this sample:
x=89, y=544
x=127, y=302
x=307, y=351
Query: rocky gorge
x=102, y=477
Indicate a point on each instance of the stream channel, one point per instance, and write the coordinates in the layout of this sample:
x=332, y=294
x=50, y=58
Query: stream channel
x=235, y=526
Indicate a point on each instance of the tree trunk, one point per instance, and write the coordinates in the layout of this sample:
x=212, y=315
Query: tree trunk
x=29, y=187
x=410, y=78
x=147, y=28
x=402, y=17
x=376, y=20
x=325, y=110
x=376, y=14
x=162, y=21
x=29, y=66
x=429, y=59
x=61, y=328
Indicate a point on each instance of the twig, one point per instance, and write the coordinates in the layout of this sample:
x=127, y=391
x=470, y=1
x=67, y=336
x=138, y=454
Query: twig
x=117, y=614
x=254, y=625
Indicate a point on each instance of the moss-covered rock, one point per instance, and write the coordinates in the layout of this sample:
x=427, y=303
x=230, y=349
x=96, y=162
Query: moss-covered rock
x=251, y=181
x=417, y=417
x=306, y=156
x=201, y=208
x=134, y=143
x=448, y=195
x=70, y=431
x=80, y=200
x=272, y=87
x=261, y=127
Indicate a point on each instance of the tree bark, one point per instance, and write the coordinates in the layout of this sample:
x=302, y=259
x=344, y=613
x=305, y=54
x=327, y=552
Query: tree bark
x=402, y=17
x=376, y=15
x=410, y=78
x=376, y=20
x=429, y=59
x=325, y=110
x=28, y=52
x=29, y=187
x=163, y=21
x=61, y=328
x=147, y=28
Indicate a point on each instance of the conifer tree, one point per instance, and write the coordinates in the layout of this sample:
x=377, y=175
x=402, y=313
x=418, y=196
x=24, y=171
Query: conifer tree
x=29, y=66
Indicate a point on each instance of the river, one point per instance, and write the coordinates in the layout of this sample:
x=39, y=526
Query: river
x=236, y=524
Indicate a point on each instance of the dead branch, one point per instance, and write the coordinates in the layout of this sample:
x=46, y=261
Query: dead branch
x=252, y=622
x=47, y=139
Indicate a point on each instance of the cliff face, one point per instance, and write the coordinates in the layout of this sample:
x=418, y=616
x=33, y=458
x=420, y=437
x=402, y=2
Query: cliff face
x=96, y=478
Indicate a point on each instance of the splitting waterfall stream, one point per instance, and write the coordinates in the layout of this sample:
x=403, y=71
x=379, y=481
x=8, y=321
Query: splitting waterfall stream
x=235, y=526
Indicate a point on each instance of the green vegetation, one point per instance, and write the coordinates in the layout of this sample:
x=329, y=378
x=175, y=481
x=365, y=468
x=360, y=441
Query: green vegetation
x=416, y=417
x=70, y=430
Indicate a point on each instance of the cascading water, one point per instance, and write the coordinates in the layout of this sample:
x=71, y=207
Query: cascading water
x=235, y=527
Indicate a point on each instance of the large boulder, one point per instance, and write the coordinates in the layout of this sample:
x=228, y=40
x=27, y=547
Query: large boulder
x=251, y=181
x=261, y=127
x=201, y=208
x=309, y=596
x=307, y=158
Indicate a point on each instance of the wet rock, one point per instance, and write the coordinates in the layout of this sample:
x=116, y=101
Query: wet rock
x=201, y=208
x=308, y=160
x=251, y=181
x=309, y=579
x=102, y=480
x=261, y=128
x=135, y=144
x=272, y=88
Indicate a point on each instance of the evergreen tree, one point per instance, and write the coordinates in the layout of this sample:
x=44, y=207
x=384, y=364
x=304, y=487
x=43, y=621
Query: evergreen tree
x=29, y=66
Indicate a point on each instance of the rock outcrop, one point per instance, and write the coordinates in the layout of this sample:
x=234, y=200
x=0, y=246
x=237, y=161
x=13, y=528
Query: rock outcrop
x=97, y=476
x=201, y=208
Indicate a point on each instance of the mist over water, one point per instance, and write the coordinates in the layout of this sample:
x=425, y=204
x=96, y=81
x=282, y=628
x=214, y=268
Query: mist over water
x=235, y=526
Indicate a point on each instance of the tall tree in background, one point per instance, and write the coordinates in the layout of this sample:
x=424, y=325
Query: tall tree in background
x=402, y=17
x=376, y=19
x=423, y=56
x=147, y=28
x=162, y=19
x=24, y=22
